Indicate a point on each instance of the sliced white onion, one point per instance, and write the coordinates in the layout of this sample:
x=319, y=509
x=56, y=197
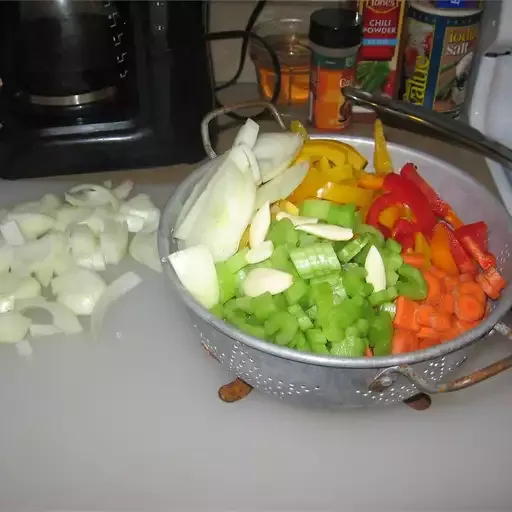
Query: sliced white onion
x=196, y=270
x=107, y=184
x=296, y=220
x=13, y=327
x=262, y=280
x=49, y=204
x=12, y=233
x=14, y=287
x=327, y=231
x=144, y=249
x=140, y=213
x=99, y=217
x=246, y=161
x=32, y=225
x=114, y=241
x=68, y=215
x=91, y=195
x=275, y=152
x=40, y=330
x=6, y=303
x=79, y=290
x=260, y=225
x=63, y=318
x=227, y=211
x=122, y=191
x=85, y=249
x=260, y=253
x=248, y=134
x=283, y=185
x=115, y=290
x=5, y=256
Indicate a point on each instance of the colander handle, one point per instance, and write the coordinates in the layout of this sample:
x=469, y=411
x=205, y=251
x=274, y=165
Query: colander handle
x=205, y=132
x=385, y=378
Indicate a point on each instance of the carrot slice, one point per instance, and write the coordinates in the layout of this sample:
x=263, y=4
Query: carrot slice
x=428, y=332
x=487, y=287
x=441, y=322
x=435, y=290
x=450, y=283
x=470, y=288
x=423, y=314
x=464, y=278
x=429, y=342
x=469, y=308
x=447, y=303
x=463, y=326
x=403, y=341
x=405, y=317
x=415, y=259
x=437, y=272
x=368, y=352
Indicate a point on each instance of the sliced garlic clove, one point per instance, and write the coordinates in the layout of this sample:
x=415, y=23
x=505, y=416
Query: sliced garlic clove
x=296, y=220
x=260, y=253
x=376, y=271
x=327, y=231
x=262, y=280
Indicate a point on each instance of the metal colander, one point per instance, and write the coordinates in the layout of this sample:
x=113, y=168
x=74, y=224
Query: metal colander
x=326, y=381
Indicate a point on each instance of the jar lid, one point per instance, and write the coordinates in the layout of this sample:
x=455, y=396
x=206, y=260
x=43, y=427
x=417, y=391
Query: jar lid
x=335, y=28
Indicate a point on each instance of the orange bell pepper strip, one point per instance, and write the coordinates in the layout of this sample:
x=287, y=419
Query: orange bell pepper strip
x=344, y=194
x=313, y=181
x=440, y=246
x=370, y=181
x=421, y=246
x=390, y=215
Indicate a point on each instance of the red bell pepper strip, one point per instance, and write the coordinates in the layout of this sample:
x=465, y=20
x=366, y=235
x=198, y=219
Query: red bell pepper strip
x=404, y=233
x=409, y=194
x=478, y=232
x=463, y=260
x=485, y=259
x=376, y=208
x=439, y=207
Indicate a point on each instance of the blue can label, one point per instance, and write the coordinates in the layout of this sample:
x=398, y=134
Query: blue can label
x=457, y=4
x=437, y=59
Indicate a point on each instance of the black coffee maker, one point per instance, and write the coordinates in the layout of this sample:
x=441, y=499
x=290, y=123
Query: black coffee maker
x=94, y=86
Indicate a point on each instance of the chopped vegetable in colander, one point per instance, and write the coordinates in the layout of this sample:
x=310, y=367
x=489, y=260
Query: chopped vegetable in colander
x=336, y=260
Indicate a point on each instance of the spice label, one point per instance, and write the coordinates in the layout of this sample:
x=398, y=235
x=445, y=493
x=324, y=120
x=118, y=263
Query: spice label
x=328, y=109
x=437, y=60
x=379, y=54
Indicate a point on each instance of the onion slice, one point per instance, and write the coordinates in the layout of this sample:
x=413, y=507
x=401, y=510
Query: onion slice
x=40, y=330
x=140, y=214
x=248, y=134
x=91, y=195
x=12, y=232
x=32, y=225
x=122, y=191
x=115, y=290
x=144, y=249
x=63, y=318
x=13, y=327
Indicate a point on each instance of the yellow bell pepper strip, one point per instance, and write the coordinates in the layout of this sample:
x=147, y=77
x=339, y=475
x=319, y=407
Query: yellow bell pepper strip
x=421, y=246
x=317, y=150
x=345, y=194
x=370, y=181
x=298, y=127
x=313, y=181
x=336, y=174
x=389, y=216
x=381, y=159
x=287, y=207
x=326, y=147
x=441, y=252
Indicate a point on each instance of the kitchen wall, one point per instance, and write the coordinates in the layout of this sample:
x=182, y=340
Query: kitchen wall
x=233, y=15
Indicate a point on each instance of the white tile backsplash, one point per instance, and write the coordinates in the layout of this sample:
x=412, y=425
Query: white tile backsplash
x=234, y=14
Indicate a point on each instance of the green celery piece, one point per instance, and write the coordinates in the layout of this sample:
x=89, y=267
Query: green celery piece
x=315, y=260
x=332, y=329
x=355, y=284
x=297, y=291
x=306, y=239
x=240, y=278
x=245, y=304
x=393, y=246
x=392, y=261
x=282, y=326
x=357, y=222
x=351, y=346
x=342, y=215
x=280, y=260
x=411, y=283
x=348, y=312
x=283, y=232
x=391, y=278
x=312, y=312
x=280, y=301
x=360, y=257
x=227, y=282
x=257, y=331
x=317, y=208
x=367, y=311
x=236, y=317
x=303, y=319
x=230, y=306
x=382, y=296
x=237, y=261
x=321, y=295
x=317, y=341
x=352, y=249
x=263, y=306
x=363, y=326
x=331, y=278
x=389, y=307
x=319, y=349
x=217, y=310
x=380, y=334
x=301, y=343
x=352, y=330
x=378, y=237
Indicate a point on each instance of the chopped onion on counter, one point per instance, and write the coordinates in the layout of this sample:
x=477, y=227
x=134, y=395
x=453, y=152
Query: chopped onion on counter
x=91, y=195
x=12, y=233
x=13, y=327
x=144, y=249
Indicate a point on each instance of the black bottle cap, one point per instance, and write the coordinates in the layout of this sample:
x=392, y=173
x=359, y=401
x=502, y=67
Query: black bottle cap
x=335, y=28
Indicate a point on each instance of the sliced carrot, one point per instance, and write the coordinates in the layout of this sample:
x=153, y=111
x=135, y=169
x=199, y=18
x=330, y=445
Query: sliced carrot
x=403, y=341
x=470, y=288
x=429, y=342
x=464, y=278
x=487, y=287
x=495, y=278
x=415, y=259
x=469, y=308
x=437, y=272
x=435, y=290
x=423, y=314
x=450, y=283
x=368, y=352
x=441, y=322
x=405, y=317
x=428, y=332
x=447, y=303
x=463, y=326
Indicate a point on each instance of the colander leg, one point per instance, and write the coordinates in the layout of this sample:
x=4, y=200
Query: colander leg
x=419, y=402
x=234, y=391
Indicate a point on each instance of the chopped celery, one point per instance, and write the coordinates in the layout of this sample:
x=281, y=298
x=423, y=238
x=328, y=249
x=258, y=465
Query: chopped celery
x=382, y=296
x=348, y=312
x=317, y=208
x=411, y=283
x=237, y=261
x=393, y=246
x=355, y=284
x=283, y=232
x=245, y=304
x=331, y=327
x=363, y=326
x=389, y=307
x=378, y=237
x=280, y=301
x=351, y=346
x=314, y=260
x=227, y=282
x=312, y=312
x=352, y=249
x=235, y=316
x=342, y=215
x=306, y=239
x=391, y=277
x=300, y=342
x=253, y=330
x=263, y=306
x=331, y=278
x=282, y=326
x=393, y=261
x=380, y=333
x=317, y=341
x=303, y=319
x=240, y=278
x=218, y=310
x=360, y=257
x=297, y=291
x=280, y=260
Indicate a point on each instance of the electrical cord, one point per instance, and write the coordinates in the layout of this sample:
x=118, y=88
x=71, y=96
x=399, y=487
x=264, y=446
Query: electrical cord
x=243, y=34
x=245, y=43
